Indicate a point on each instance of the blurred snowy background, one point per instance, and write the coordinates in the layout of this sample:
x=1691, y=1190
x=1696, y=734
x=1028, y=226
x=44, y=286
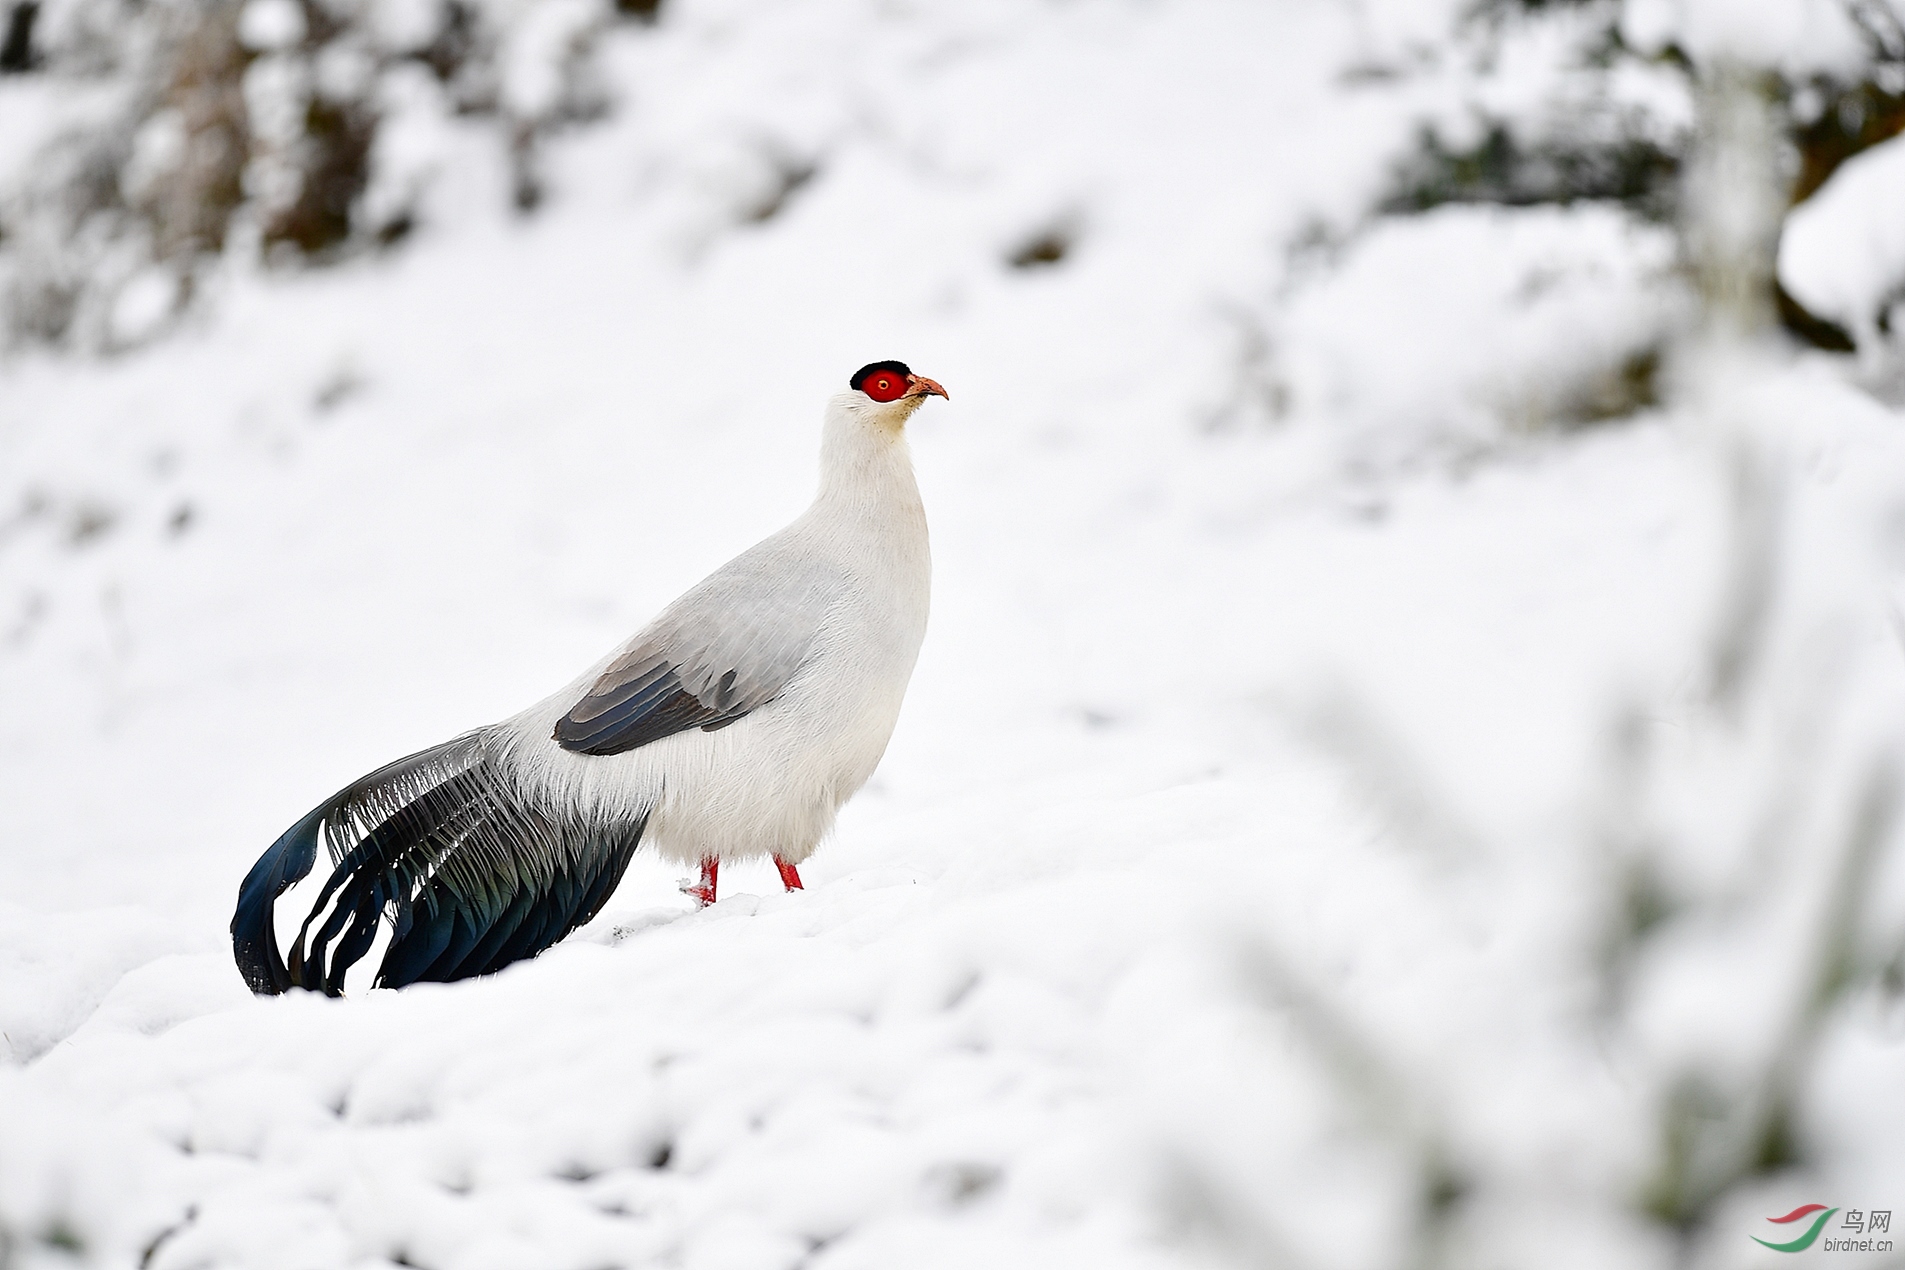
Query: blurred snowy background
x=1405, y=767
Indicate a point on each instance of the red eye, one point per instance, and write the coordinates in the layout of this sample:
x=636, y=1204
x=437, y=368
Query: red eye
x=884, y=386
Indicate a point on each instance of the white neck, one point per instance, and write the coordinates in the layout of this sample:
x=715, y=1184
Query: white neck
x=865, y=469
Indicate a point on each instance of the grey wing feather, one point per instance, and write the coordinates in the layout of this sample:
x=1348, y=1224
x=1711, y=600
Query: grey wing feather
x=726, y=648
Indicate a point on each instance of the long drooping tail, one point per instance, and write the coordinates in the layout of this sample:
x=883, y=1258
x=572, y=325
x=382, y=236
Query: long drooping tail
x=445, y=853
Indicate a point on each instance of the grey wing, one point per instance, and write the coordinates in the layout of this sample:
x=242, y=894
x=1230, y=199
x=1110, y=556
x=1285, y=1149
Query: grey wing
x=726, y=648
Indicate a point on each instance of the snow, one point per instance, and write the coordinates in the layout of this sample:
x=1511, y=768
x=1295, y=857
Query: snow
x=1386, y=343
x=1842, y=254
x=271, y=26
x=1308, y=686
x=1800, y=38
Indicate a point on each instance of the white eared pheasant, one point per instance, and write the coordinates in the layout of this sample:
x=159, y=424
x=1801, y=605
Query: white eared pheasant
x=733, y=726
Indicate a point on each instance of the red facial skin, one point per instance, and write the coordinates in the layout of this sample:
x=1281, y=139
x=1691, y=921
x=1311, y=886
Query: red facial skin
x=886, y=385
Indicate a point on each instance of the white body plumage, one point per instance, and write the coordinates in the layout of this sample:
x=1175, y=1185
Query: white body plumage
x=845, y=588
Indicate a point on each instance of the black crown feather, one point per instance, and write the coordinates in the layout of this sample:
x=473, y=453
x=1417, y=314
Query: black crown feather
x=860, y=376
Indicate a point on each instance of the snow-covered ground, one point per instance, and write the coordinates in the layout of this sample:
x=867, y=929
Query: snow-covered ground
x=1342, y=816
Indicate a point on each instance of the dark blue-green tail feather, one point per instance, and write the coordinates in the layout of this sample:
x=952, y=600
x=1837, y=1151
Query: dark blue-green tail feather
x=254, y=935
x=445, y=855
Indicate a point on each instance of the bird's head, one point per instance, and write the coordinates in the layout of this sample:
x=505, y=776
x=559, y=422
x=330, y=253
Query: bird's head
x=888, y=393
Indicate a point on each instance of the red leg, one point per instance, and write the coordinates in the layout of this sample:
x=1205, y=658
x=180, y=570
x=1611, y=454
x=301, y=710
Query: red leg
x=704, y=891
x=789, y=878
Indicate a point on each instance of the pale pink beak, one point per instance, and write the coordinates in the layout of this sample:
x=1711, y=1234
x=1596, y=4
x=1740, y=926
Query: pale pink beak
x=920, y=386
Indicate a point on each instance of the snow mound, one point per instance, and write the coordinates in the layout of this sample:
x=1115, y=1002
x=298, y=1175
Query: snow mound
x=1465, y=322
x=1842, y=253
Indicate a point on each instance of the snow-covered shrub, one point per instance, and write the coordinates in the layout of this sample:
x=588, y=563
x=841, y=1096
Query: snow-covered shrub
x=1530, y=104
x=148, y=142
x=1592, y=99
x=1548, y=107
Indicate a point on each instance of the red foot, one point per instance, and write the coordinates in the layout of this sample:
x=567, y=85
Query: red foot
x=789, y=878
x=704, y=892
